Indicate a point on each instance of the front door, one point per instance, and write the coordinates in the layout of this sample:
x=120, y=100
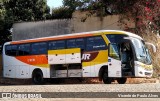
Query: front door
x=114, y=62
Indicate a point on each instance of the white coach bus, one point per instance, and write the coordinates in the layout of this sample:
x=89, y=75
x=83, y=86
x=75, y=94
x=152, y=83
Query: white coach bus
x=106, y=54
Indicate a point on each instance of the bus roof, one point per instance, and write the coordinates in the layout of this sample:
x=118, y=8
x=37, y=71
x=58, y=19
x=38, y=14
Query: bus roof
x=76, y=35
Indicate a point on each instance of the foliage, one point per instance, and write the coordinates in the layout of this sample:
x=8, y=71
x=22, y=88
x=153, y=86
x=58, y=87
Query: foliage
x=5, y=24
x=12, y=11
x=145, y=13
x=61, y=13
x=69, y=6
x=27, y=10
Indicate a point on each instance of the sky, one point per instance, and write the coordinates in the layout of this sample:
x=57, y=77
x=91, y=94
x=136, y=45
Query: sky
x=54, y=3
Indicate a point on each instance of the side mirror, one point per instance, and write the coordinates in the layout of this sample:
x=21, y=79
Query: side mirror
x=153, y=46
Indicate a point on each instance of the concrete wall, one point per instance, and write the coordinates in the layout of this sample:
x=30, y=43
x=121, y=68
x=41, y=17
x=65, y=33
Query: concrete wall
x=28, y=30
x=93, y=22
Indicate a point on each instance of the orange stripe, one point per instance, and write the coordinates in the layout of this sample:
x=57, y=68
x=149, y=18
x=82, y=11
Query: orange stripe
x=33, y=60
x=49, y=39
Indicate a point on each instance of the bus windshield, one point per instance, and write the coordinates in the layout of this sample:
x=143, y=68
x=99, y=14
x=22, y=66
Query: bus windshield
x=142, y=52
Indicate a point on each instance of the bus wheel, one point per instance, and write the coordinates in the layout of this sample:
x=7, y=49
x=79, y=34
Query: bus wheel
x=106, y=79
x=37, y=77
x=121, y=80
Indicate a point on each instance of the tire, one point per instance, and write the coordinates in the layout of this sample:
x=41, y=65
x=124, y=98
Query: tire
x=106, y=79
x=37, y=77
x=121, y=80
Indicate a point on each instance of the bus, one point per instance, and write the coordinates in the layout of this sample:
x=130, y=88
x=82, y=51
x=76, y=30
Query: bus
x=106, y=54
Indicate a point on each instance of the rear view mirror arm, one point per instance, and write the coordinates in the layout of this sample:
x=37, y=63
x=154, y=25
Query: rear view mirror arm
x=153, y=46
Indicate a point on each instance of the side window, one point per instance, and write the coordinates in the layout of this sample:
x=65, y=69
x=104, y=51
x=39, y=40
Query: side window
x=114, y=38
x=99, y=43
x=95, y=43
x=11, y=50
x=8, y=50
x=114, y=51
x=39, y=48
x=43, y=48
x=80, y=43
x=90, y=43
x=76, y=43
x=35, y=48
x=52, y=45
x=24, y=49
x=71, y=43
x=60, y=44
x=56, y=45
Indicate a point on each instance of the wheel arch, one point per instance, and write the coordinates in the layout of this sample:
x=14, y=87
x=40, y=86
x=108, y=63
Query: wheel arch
x=101, y=71
x=36, y=70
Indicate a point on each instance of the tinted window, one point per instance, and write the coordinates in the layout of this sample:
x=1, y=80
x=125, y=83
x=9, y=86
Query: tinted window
x=76, y=43
x=71, y=43
x=113, y=38
x=11, y=50
x=114, y=51
x=95, y=43
x=90, y=43
x=57, y=45
x=24, y=49
x=52, y=45
x=60, y=44
x=39, y=48
x=80, y=43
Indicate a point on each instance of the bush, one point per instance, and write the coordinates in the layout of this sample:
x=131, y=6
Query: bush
x=61, y=13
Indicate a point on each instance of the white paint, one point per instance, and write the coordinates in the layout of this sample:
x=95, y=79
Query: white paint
x=93, y=70
x=56, y=59
x=73, y=58
x=86, y=56
x=139, y=68
x=13, y=68
x=65, y=58
x=114, y=68
x=153, y=46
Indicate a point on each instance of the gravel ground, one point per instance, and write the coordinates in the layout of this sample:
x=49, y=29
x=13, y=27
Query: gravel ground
x=146, y=87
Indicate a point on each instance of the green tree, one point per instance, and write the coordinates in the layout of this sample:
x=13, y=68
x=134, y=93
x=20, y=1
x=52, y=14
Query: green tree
x=5, y=24
x=145, y=13
x=65, y=11
x=61, y=13
x=27, y=10
x=12, y=11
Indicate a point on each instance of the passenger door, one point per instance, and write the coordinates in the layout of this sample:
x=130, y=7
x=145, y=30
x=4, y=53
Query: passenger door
x=114, y=62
